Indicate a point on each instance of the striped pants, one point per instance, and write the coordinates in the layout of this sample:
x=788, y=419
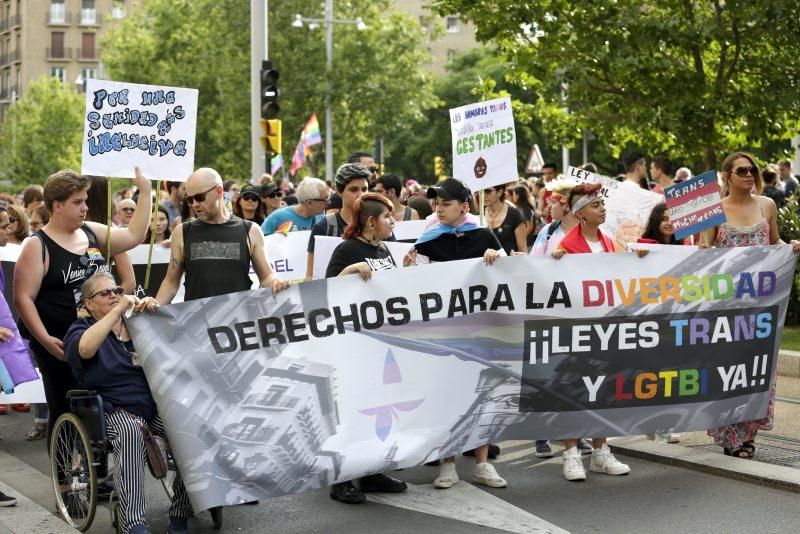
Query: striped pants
x=127, y=445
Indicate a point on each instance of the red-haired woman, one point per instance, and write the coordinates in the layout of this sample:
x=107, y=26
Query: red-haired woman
x=752, y=220
x=587, y=204
x=362, y=252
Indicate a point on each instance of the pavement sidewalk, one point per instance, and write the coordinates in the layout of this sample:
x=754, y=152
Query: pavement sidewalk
x=777, y=460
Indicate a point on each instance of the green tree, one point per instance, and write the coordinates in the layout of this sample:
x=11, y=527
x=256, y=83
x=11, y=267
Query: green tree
x=377, y=83
x=692, y=78
x=42, y=133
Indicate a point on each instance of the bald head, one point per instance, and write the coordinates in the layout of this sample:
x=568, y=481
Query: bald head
x=202, y=179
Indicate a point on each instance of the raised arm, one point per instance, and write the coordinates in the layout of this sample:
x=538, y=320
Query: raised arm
x=123, y=239
x=127, y=278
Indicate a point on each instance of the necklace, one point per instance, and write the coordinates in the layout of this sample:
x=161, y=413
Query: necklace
x=493, y=217
x=118, y=332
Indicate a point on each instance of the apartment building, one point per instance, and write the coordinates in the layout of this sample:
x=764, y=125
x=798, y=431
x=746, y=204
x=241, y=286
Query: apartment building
x=459, y=36
x=52, y=38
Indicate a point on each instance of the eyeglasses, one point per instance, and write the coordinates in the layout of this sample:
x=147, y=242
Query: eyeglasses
x=274, y=194
x=745, y=171
x=105, y=293
x=317, y=199
x=199, y=197
x=128, y=210
x=12, y=220
x=250, y=196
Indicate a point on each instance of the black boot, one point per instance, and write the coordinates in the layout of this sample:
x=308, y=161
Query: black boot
x=347, y=493
x=382, y=484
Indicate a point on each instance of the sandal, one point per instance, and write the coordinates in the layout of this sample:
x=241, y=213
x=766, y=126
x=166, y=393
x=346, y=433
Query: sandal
x=750, y=447
x=737, y=453
x=39, y=431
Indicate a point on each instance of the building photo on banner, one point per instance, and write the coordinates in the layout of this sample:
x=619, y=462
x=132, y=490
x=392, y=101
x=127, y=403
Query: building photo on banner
x=334, y=379
x=129, y=125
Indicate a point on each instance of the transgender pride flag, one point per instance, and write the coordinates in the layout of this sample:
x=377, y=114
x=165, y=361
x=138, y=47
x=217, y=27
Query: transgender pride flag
x=695, y=205
x=311, y=134
x=275, y=164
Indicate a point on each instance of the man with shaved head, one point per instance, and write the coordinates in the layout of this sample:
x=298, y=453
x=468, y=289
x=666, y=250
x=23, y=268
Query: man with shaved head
x=215, y=250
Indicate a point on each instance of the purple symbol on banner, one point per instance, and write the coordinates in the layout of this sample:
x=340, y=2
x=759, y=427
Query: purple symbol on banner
x=384, y=415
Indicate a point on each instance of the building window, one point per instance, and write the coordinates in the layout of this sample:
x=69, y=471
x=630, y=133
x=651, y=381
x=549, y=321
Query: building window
x=88, y=12
x=118, y=9
x=87, y=46
x=452, y=24
x=59, y=72
x=451, y=55
x=58, y=13
x=57, y=44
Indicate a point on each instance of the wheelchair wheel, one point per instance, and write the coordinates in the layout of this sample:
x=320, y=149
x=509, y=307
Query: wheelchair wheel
x=73, y=471
x=216, y=516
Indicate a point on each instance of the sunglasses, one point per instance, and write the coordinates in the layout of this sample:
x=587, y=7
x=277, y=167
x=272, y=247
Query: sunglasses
x=105, y=293
x=199, y=197
x=128, y=210
x=250, y=196
x=274, y=194
x=745, y=171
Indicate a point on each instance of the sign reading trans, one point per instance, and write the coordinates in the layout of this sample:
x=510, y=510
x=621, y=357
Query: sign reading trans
x=695, y=205
x=484, y=144
x=129, y=125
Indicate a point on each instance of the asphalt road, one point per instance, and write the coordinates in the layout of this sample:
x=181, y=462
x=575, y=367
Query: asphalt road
x=654, y=498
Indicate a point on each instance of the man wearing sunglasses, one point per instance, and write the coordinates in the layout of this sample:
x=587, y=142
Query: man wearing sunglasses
x=215, y=250
x=312, y=194
x=125, y=211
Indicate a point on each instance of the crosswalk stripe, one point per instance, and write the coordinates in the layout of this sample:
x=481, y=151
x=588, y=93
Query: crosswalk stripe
x=465, y=502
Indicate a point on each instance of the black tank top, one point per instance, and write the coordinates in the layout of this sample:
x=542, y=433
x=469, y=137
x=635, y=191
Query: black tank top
x=60, y=293
x=216, y=258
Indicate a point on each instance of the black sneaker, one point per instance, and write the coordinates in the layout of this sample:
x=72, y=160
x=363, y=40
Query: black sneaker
x=347, y=493
x=381, y=483
x=5, y=500
x=585, y=447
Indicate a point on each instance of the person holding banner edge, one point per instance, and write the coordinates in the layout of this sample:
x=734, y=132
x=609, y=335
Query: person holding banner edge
x=51, y=269
x=752, y=220
x=456, y=236
x=361, y=252
x=586, y=202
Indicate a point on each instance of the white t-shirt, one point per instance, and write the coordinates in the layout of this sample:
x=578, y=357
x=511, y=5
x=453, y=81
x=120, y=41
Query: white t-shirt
x=596, y=246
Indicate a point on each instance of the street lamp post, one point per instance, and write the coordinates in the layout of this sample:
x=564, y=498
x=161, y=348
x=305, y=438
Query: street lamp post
x=328, y=21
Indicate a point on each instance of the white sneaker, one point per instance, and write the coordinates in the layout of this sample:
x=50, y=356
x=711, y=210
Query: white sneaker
x=485, y=474
x=447, y=476
x=604, y=462
x=573, y=466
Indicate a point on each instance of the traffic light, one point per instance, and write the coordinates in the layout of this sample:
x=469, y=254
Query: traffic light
x=438, y=166
x=271, y=140
x=269, y=91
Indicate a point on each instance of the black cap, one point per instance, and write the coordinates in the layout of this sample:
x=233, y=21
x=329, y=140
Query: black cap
x=450, y=189
x=250, y=188
x=267, y=190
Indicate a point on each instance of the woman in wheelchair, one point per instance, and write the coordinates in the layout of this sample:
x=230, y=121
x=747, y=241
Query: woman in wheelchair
x=98, y=349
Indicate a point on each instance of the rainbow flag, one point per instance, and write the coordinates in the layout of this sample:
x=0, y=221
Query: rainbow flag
x=298, y=158
x=275, y=164
x=311, y=133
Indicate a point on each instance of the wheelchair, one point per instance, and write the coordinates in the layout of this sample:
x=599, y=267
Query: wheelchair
x=79, y=450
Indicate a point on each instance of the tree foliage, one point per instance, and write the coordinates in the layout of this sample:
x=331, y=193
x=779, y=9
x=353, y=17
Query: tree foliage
x=377, y=83
x=42, y=133
x=692, y=78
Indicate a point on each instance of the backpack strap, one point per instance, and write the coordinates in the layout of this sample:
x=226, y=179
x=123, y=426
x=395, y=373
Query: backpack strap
x=552, y=229
x=332, y=225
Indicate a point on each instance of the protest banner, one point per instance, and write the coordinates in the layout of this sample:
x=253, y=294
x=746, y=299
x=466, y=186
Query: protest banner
x=627, y=208
x=695, y=205
x=131, y=125
x=484, y=144
x=334, y=379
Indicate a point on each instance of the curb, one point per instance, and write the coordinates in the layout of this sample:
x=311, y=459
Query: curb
x=27, y=516
x=754, y=472
x=789, y=363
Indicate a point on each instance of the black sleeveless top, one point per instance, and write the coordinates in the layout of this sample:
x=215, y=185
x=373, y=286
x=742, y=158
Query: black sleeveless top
x=60, y=293
x=216, y=258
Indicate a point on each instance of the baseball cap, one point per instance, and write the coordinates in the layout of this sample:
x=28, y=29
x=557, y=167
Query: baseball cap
x=450, y=189
x=267, y=190
x=250, y=188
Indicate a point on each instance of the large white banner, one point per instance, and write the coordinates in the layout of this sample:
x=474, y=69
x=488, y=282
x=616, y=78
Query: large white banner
x=627, y=208
x=484, y=144
x=131, y=125
x=335, y=379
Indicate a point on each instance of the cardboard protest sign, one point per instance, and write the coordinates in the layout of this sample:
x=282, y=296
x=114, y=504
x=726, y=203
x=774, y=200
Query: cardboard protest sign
x=339, y=378
x=484, y=144
x=130, y=125
x=627, y=208
x=695, y=205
